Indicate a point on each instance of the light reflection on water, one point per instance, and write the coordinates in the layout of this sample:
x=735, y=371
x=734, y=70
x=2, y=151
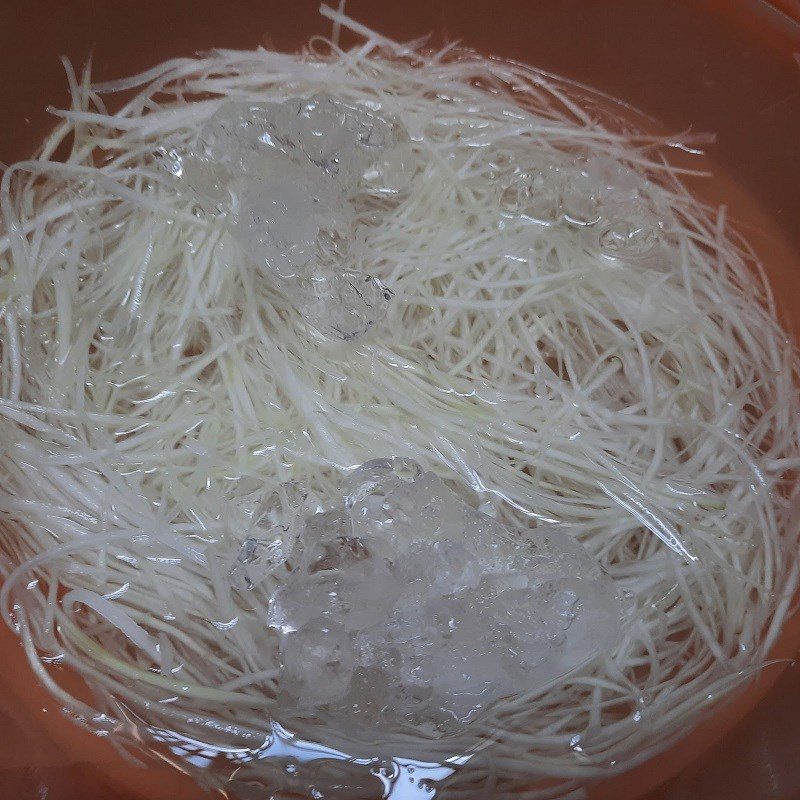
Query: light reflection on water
x=397, y=778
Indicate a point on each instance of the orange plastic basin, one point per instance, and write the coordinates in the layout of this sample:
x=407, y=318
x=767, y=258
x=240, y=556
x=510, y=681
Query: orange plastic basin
x=726, y=66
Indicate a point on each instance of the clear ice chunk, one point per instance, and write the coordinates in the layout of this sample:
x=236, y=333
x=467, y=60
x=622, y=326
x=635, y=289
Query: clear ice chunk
x=318, y=663
x=236, y=131
x=629, y=238
x=533, y=195
x=340, y=139
x=344, y=305
x=286, y=172
x=597, y=193
x=353, y=601
x=255, y=560
x=612, y=183
x=271, y=532
x=277, y=222
x=282, y=505
x=394, y=169
x=323, y=137
x=205, y=182
x=448, y=566
x=329, y=543
x=409, y=604
x=373, y=480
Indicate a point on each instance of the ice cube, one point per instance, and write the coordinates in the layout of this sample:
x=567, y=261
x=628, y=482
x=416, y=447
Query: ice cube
x=205, y=182
x=353, y=602
x=533, y=195
x=394, y=169
x=322, y=136
x=286, y=171
x=242, y=139
x=339, y=138
x=466, y=679
x=580, y=204
x=255, y=560
x=629, y=238
x=613, y=184
x=447, y=566
x=324, y=597
x=366, y=488
x=372, y=477
x=440, y=609
x=276, y=222
x=429, y=510
x=236, y=128
x=282, y=505
x=563, y=603
x=329, y=543
x=344, y=305
x=317, y=663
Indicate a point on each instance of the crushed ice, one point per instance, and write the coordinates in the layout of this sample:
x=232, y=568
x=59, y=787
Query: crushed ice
x=344, y=305
x=403, y=603
x=600, y=196
x=285, y=172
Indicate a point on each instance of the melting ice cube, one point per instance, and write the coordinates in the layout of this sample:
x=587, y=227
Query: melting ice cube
x=433, y=610
x=253, y=562
x=629, y=238
x=204, y=181
x=271, y=534
x=276, y=222
x=318, y=665
x=287, y=172
x=344, y=305
x=322, y=138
